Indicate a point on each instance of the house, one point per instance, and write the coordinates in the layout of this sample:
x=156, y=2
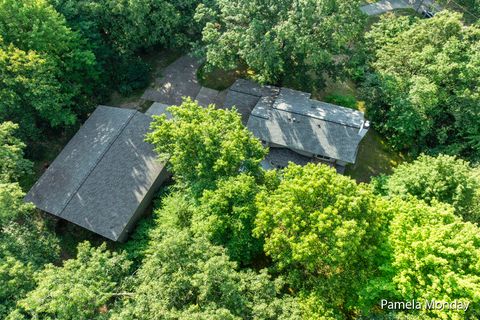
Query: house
x=298, y=128
x=106, y=175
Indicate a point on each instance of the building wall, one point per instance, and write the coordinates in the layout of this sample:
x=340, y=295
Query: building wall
x=147, y=200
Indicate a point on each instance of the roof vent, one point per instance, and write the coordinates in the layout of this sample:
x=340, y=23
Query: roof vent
x=364, y=128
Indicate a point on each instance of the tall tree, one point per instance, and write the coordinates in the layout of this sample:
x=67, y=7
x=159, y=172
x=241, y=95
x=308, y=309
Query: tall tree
x=205, y=145
x=46, y=72
x=424, y=93
x=442, y=178
x=325, y=232
x=186, y=277
x=280, y=40
x=433, y=255
x=78, y=289
x=226, y=216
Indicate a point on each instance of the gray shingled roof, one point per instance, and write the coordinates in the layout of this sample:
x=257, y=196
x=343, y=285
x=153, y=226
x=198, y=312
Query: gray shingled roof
x=157, y=109
x=300, y=102
x=245, y=94
x=295, y=121
x=104, y=176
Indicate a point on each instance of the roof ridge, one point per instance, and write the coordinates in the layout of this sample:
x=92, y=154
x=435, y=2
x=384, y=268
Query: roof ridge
x=313, y=117
x=122, y=128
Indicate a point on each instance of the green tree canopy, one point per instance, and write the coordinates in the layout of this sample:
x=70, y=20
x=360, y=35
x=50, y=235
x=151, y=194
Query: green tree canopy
x=442, y=178
x=15, y=282
x=127, y=26
x=118, y=31
x=204, y=145
x=434, y=255
x=325, y=232
x=46, y=72
x=25, y=246
x=277, y=40
x=424, y=93
x=12, y=164
x=227, y=216
x=79, y=288
x=186, y=277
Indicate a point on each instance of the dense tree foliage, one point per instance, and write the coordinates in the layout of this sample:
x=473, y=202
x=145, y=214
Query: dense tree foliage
x=280, y=40
x=324, y=232
x=25, y=243
x=424, y=92
x=443, y=178
x=127, y=26
x=47, y=74
x=227, y=216
x=118, y=30
x=25, y=246
x=204, y=145
x=12, y=164
x=77, y=289
x=434, y=255
x=185, y=277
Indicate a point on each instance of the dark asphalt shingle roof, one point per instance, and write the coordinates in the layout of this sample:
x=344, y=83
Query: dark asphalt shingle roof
x=300, y=102
x=295, y=121
x=103, y=174
x=245, y=94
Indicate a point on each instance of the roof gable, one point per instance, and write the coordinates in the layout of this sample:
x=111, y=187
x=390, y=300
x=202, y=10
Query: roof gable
x=103, y=174
x=293, y=120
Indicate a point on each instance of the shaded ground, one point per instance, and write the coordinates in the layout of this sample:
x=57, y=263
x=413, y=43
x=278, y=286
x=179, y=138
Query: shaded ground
x=158, y=61
x=374, y=157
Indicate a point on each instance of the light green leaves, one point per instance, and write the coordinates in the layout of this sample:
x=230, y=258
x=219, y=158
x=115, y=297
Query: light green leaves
x=205, y=145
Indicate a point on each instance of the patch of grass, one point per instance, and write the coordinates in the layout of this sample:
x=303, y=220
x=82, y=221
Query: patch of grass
x=347, y=101
x=339, y=88
x=374, y=157
x=341, y=93
x=218, y=79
